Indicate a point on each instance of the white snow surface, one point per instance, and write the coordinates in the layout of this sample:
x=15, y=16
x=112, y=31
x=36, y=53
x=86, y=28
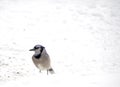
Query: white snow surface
x=82, y=38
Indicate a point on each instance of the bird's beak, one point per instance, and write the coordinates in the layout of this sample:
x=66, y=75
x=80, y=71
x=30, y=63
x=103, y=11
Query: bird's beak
x=32, y=50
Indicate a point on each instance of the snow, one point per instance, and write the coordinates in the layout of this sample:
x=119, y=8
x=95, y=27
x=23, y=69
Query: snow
x=81, y=37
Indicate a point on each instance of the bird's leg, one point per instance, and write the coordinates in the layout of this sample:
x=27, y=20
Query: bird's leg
x=47, y=71
x=40, y=71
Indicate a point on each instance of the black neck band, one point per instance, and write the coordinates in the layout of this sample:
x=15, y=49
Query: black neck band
x=39, y=55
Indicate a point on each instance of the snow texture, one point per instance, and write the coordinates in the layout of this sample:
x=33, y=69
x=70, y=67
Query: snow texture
x=82, y=38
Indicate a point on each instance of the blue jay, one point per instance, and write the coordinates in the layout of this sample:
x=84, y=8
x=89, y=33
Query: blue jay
x=41, y=59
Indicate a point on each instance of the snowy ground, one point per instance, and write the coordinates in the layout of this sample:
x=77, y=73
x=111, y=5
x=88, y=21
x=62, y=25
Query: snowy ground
x=81, y=36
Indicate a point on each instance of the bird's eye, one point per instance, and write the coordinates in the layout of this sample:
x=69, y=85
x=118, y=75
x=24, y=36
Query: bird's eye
x=36, y=47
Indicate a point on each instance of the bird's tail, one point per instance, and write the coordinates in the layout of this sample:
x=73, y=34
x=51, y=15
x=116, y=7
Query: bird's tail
x=50, y=71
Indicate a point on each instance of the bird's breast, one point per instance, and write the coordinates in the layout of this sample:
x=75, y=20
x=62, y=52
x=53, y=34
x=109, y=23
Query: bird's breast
x=42, y=63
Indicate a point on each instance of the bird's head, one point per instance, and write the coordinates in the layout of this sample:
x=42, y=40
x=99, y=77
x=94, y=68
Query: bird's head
x=37, y=48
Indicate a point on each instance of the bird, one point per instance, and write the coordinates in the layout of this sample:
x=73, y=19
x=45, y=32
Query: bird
x=41, y=59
